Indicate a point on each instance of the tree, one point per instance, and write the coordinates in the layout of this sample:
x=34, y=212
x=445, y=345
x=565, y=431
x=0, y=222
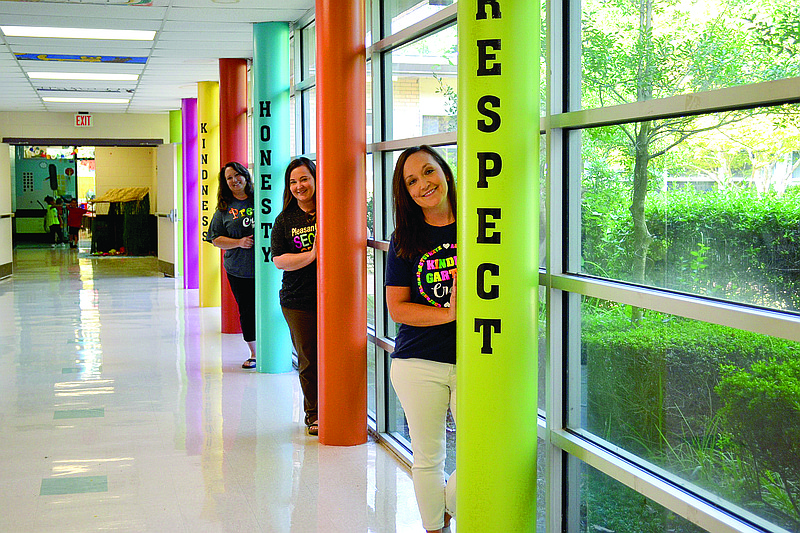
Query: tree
x=639, y=50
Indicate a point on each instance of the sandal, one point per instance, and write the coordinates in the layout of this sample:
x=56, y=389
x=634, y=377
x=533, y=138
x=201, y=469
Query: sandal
x=312, y=428
x=250, y=363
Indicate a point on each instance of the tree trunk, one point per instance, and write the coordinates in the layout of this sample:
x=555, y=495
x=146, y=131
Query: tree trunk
x=641, y=235
x=644, y=91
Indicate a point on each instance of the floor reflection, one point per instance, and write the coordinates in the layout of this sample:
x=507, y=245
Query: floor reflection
x=123, y=408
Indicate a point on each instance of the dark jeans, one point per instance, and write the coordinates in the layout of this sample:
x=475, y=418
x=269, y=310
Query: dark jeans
x=303, y=327
x=244, y=292
x=57, y=234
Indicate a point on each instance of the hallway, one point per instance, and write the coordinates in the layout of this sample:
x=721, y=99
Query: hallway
x=122, y=408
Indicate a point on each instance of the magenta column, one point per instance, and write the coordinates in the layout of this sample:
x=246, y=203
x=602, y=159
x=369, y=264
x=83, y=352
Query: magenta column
x=232, y=147
x=191, y=195
x=342, y=222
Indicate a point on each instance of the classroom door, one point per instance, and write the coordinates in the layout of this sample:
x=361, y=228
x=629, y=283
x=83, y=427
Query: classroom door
x=167, y=207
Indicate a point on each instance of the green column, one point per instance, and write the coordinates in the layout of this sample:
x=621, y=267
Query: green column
x=271, y=153
x=498, y=186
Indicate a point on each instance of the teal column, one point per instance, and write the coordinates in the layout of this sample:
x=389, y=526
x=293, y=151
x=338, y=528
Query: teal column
x=271, y=153
x=498, y=187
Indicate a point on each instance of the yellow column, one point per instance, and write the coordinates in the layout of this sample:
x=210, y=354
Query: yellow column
x=208, y=141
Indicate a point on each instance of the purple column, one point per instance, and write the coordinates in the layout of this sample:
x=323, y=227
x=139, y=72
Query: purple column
x=191, y=196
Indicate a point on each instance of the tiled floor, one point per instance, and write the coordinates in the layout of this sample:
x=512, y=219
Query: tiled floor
x=122, y=408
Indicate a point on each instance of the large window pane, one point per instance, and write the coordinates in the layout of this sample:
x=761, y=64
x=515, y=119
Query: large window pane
x=716, y=406
x=424, y=97
x=607, y=505
x=709, y=205
x=371, y=286
x=634, y=51
x=308, y=51
x=372, y=406
x=293, y=125
x=310, y=120
x=404, y=13
x=369, y=102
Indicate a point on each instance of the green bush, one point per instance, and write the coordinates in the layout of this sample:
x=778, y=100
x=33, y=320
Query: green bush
x=762, y=415
x=654, y=384
x=674, y=392
x=731, y=244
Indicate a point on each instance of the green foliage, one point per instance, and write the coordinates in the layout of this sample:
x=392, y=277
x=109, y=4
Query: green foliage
x=674, y=391
x=762, y=414
x=733, y=244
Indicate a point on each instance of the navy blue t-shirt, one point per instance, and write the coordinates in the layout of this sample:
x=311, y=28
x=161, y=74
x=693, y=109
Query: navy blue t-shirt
x=430, y=277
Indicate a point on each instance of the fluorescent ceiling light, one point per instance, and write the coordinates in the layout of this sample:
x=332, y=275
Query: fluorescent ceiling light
x=62, y=100
x=78, y=33
x=82, y=76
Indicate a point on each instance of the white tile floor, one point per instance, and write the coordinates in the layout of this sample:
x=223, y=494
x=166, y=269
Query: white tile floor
x=122, y=408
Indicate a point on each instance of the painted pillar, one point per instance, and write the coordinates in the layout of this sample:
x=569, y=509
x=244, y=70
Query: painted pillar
x=191, y=195
x=208, y=141
x=271, y=149
x=498, y=186
x=175, y=132
x=341, y=221
x=232, y=147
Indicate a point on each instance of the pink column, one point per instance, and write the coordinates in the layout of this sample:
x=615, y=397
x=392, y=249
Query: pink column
x=191, y=195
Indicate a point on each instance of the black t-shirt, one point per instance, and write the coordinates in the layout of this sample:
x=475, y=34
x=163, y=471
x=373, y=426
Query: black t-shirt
x=430, y=277
x=294, y=231
x=235, y=222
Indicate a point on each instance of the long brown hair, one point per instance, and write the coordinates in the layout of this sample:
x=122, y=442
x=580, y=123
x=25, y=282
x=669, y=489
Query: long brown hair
x=288, y=198
x=409, y=219
x=224, y=194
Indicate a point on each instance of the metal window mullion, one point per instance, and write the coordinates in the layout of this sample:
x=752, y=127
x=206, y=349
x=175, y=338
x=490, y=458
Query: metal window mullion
x=740, y=316
x=762, y=94
x=298, y=95
x=422, y=28
x=554, y=242
x=664, y=493
x=436, y=139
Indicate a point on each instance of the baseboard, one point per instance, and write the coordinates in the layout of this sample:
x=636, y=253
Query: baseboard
x=5, y=270
x=167, y=268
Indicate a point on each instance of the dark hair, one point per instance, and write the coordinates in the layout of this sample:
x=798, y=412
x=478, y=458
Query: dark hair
x=224, y=194
x=296, y=163
x=409, y=241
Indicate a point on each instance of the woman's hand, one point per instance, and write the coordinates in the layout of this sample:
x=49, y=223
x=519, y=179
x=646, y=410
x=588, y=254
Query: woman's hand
x=246, y=242
x=452, y=308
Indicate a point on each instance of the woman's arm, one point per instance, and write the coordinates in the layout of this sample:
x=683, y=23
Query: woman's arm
x=228, y=243
x=404, y=311
x=296, y=261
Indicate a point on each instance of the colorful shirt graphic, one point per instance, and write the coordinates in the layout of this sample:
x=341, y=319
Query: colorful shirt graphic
x=430, y=278
x=236, y=222
x=435, y=273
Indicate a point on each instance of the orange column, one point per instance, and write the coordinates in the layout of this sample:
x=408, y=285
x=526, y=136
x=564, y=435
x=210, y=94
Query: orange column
x=232, y=147
x=341, y=222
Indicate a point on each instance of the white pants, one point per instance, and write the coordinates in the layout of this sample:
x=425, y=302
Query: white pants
x=426, y=389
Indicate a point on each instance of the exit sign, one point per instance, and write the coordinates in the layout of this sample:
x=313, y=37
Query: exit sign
x=83, y=120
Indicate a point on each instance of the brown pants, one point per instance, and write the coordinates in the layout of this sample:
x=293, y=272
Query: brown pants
x=303, y=328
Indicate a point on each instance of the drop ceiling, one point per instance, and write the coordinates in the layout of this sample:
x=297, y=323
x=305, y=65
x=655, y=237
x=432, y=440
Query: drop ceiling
x=191, y=36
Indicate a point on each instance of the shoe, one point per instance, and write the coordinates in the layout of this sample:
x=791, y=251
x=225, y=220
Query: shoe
x=312, y=429
x=250, y=363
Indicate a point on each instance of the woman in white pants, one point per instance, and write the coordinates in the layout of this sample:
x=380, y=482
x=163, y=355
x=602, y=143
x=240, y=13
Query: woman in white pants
x=421, y=297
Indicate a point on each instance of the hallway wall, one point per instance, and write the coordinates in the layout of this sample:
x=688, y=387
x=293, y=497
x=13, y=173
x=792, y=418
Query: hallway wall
x=106, y=126
x=5, y=209
x=125, y=166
